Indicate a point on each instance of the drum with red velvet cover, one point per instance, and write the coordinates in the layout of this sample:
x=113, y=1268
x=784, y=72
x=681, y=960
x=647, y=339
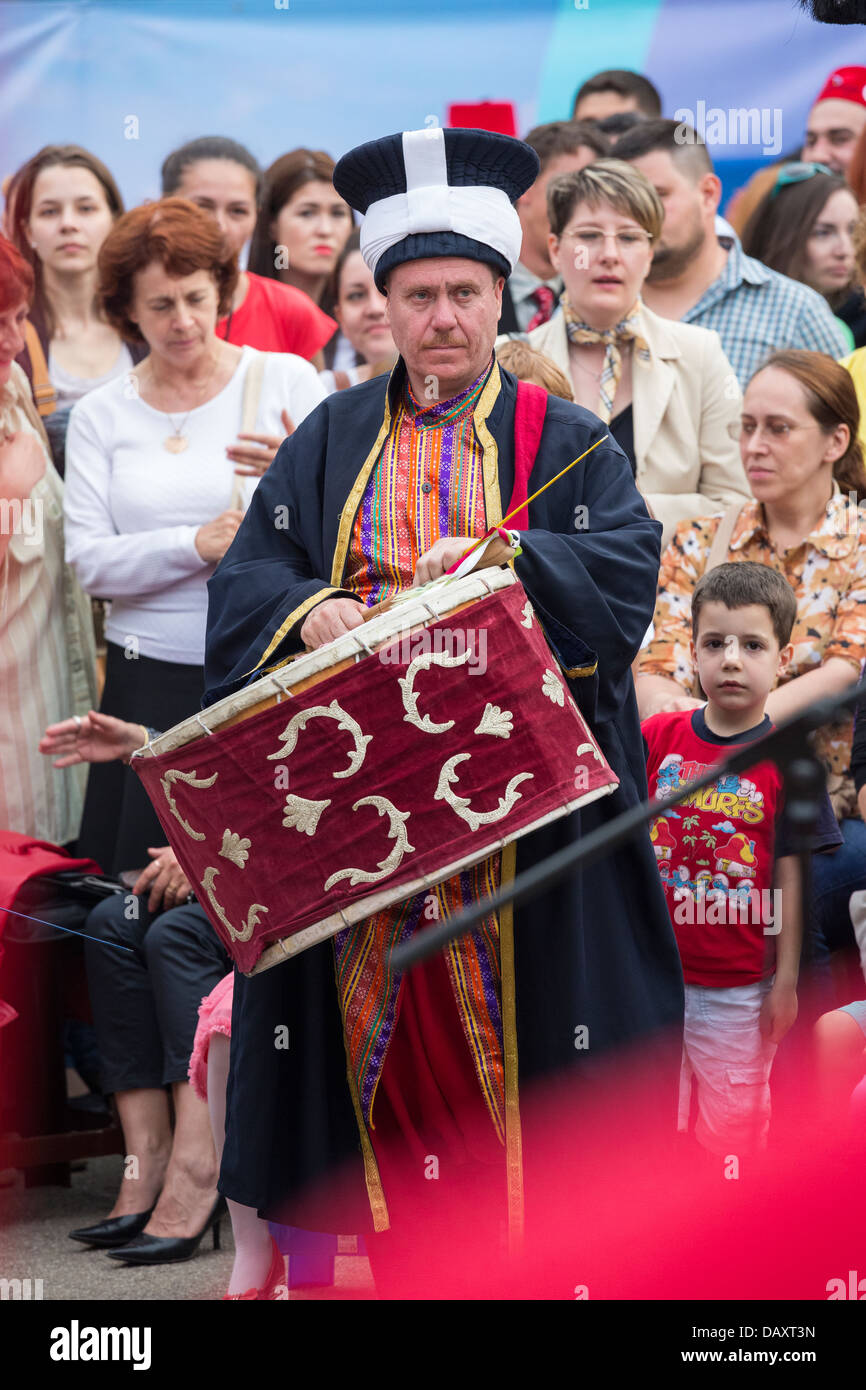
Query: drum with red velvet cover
x=366, y=771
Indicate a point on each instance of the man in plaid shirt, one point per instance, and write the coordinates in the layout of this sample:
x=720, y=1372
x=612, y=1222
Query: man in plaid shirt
x=700, y=276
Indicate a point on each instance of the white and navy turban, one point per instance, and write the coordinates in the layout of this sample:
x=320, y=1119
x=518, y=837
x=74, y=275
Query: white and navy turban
x=437, y=192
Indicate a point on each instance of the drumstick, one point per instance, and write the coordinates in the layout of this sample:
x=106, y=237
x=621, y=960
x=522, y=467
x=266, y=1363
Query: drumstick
x=521, y=505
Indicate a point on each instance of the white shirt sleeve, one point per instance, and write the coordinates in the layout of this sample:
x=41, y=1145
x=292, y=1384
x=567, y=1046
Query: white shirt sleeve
x=106, y=563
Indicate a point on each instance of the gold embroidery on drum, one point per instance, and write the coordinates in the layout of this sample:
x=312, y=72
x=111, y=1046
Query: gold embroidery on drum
x=396, y=831
x=499, y=723
x=551, y=686
x=410, y=695
x=289, y=736
x=167, y=782
x=302, y=814
x=590, y=748
x=235, y=848
x=460, y=804
x=255, y=911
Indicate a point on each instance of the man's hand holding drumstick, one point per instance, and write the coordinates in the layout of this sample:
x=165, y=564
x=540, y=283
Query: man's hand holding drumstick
x=336, y=616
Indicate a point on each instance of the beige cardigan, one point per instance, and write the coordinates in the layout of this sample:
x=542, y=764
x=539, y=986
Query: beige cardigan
x=684, y=399
x=47, y=658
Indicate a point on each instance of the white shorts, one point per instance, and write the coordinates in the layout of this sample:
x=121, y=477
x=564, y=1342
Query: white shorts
x=725, y=1055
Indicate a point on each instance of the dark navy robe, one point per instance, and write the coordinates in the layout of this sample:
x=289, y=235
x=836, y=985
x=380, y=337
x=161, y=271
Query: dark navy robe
x=595, y=953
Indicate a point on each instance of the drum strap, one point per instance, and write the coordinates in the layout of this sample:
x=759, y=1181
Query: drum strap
x=529, y=415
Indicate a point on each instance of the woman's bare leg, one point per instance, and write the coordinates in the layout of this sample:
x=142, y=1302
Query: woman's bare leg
x=252, y=1238
x=146, y=1123
x=189, y=1188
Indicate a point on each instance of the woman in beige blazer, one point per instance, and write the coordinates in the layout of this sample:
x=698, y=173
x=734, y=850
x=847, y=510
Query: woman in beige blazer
x=666, y=389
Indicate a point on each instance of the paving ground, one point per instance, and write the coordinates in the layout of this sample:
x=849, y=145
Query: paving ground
x=34, y=1244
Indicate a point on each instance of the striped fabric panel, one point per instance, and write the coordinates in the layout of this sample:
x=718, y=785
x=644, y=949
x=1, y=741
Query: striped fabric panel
x=35, y=798
x=473, y=964
x=397, y=522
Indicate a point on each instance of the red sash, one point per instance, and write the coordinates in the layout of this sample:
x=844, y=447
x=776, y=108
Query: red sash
x=529, y=415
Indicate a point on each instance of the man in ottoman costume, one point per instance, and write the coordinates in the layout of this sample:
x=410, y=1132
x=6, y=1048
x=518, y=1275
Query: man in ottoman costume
x=383, y=485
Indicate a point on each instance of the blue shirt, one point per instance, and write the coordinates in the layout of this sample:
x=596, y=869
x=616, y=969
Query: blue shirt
x=756, y=311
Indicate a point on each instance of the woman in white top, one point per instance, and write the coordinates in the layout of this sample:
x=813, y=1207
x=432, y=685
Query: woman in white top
x=665, y=390
x=47, y=662
x=61, y=205
x=153, y=495
x=362, y=313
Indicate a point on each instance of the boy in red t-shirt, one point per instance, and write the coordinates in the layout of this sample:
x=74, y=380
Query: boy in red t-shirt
x=716, y=854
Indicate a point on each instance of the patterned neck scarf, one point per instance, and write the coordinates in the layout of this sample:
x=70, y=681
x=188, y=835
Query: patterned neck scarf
x=433, y=416
x=627, y=330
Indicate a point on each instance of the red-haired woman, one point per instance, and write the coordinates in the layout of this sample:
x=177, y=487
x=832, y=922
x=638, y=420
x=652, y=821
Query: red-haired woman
x=61, y=205
x=47, y=663
x=154, y=496
x=302, y=225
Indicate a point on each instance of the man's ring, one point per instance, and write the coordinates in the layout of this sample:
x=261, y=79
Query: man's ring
x=77, y=719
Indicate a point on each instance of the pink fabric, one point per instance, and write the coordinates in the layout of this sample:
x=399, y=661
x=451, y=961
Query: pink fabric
x=214, y=1016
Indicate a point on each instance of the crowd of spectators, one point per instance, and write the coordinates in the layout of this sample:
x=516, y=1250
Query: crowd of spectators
x=149, y=371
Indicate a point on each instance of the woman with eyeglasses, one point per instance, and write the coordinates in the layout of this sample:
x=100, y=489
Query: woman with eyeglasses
x=804, y=228
x=804, y=462
x=665, y=389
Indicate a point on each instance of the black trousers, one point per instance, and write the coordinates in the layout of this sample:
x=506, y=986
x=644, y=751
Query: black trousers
x=145, y=1004
x=118, y=823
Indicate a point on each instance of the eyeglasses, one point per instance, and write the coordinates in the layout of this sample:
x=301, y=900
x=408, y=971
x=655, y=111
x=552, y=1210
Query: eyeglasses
x=797, y=173
x=592, y=239
x=776, y=429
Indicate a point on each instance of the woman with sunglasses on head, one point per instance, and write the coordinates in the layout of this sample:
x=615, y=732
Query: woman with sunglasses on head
x=666, y=390
x=804, y=462
x=804, y=228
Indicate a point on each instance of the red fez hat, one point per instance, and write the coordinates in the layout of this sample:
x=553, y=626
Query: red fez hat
x=845, y=84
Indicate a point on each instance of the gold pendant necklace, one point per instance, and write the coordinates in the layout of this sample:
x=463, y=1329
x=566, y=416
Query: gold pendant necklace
x=176, y=442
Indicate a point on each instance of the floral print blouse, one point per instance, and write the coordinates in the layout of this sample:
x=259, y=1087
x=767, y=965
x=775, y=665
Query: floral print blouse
x=827, y=572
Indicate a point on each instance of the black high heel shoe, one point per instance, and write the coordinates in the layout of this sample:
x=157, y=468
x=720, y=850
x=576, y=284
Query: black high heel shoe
x=161, y=1250
x=115, y=1230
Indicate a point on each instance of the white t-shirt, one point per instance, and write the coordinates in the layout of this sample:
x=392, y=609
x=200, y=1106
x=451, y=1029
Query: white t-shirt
x=133, y=509
x=70, y=389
